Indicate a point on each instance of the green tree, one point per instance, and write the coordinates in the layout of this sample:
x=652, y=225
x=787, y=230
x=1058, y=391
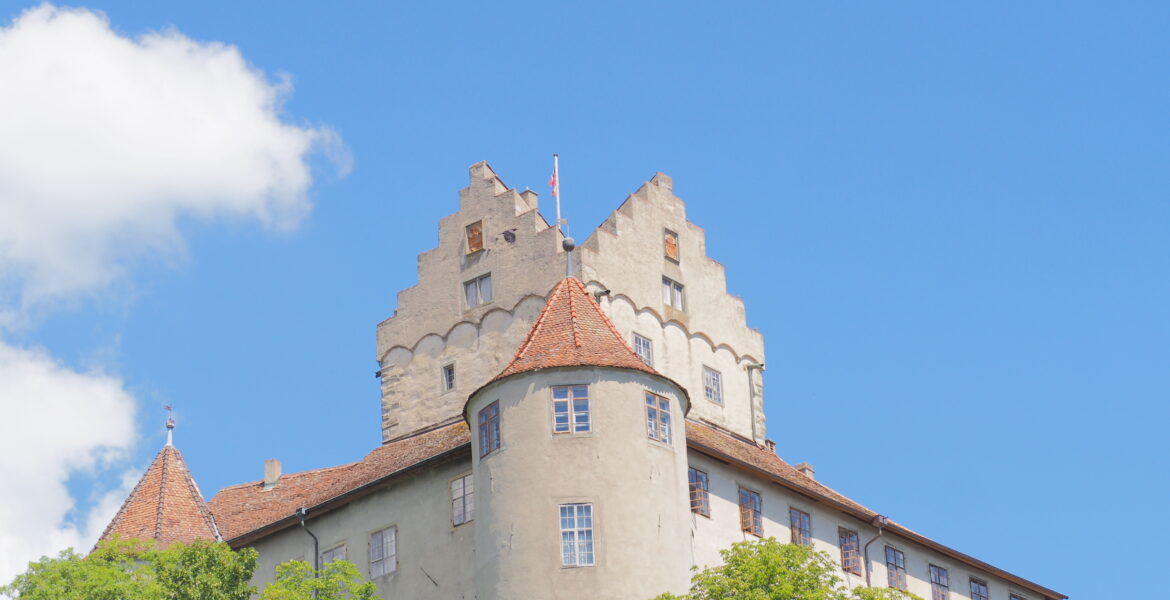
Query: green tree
x=337, y=580
x=136, y=570
x=768, y=570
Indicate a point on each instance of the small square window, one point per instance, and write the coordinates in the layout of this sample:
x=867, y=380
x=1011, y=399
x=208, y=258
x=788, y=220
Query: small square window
x=644, y=348
x=571, y=409
x=576, y=535
x=449, y=377
x=383, y=552
x=489, y=429
x=751, y=512
x=895, y=568
x=657, y=418
x=672, y=293
x=475, y=237
x=462, y=500
x=700, y=492
x=713, y=385
x=850, y=550
x=478, y=291
x=670, y=245
x=801, y=527
x=979, y=590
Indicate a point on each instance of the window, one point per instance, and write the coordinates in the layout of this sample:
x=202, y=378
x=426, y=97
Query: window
x=801, y=526
x=940, y=583
x=449, y=377
x=751, y=509
x=570, y=409
x=333, y=554
x=700, y=499
x=475, y=237
x=489, y=429
x=672, y=293
x=850, y=550
x=895, y=568
x=713, y=385
x=462, y=500
x=670, y=245
x=657, y=418
x=577, y=535
x=979, y=590
x=478, y=291
x=644, y=348
x=383, y=552
x=1016, y=597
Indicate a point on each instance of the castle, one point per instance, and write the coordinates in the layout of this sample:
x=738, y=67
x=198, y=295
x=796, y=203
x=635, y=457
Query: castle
x=559, y=426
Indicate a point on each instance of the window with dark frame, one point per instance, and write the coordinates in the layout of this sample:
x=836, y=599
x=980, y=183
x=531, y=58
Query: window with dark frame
x=576, y=535
x=850, y=550
x=940, y=583
x=895, y=568
x=448, y=377
x=475, y=237
x=712, y=385
x=672, y=293
x=800, y=525
x=670, y=245
x=657, y=418
x=383, y=552
x=478, y=291
x=751, y=512
x=979, y=590
x=700, y=492
x=644, y=348
x=489, y=429
x=571, y=409
x=462, y=500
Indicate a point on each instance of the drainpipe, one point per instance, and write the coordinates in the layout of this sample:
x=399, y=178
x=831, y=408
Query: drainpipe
x=879, y=521
x=752, y=394
x=303, y=512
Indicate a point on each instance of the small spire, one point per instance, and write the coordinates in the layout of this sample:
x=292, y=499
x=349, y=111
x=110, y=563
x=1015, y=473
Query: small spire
x=170, y=426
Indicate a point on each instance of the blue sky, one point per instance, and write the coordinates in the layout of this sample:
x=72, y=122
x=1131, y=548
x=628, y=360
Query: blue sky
x=951, y=224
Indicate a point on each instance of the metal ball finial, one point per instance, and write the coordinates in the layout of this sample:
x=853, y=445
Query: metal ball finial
x=568, y=244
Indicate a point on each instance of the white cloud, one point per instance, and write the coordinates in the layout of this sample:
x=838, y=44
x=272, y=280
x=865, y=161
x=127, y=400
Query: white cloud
x=107, y=140
x=56, y=422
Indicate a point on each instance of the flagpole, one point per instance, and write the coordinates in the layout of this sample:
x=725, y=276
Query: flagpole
x=557, y=189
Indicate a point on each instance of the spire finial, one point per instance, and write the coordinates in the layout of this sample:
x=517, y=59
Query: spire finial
x=170, y=425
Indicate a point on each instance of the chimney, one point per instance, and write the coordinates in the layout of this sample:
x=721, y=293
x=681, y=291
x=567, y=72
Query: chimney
x=770, y=445
x=271, y=473
x=806, y=470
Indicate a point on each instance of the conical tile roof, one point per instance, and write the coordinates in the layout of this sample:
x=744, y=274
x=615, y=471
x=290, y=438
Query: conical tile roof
x=572, y=332
x=165, y=506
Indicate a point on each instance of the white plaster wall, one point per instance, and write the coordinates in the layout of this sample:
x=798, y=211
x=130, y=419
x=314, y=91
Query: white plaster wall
x=637, y=487
x=722, y=528
x=420, y=507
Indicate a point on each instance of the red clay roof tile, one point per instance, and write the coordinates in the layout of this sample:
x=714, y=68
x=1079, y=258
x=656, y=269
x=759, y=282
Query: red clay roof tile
x=165, y=506
x=572, y=331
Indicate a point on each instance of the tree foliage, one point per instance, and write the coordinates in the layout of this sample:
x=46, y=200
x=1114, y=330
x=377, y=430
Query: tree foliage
x=137, y=570
x=337, y=580
x=768, y=570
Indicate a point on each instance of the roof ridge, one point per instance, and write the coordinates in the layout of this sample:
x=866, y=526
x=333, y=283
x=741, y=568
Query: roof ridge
x=162, y=493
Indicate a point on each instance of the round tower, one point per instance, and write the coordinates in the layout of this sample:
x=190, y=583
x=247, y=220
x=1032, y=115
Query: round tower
x=580, y=465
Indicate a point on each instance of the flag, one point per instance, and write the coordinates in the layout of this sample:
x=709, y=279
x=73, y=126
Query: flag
x=552, y=182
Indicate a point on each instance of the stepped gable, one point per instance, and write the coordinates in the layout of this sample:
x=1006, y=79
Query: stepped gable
x=244, y=509
x=572, y=331
x=165, y=506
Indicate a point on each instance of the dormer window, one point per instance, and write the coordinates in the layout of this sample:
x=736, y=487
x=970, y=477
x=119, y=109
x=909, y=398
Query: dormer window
x=475, y=237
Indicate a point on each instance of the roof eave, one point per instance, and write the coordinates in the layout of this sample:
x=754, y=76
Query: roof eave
x=863, y=516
